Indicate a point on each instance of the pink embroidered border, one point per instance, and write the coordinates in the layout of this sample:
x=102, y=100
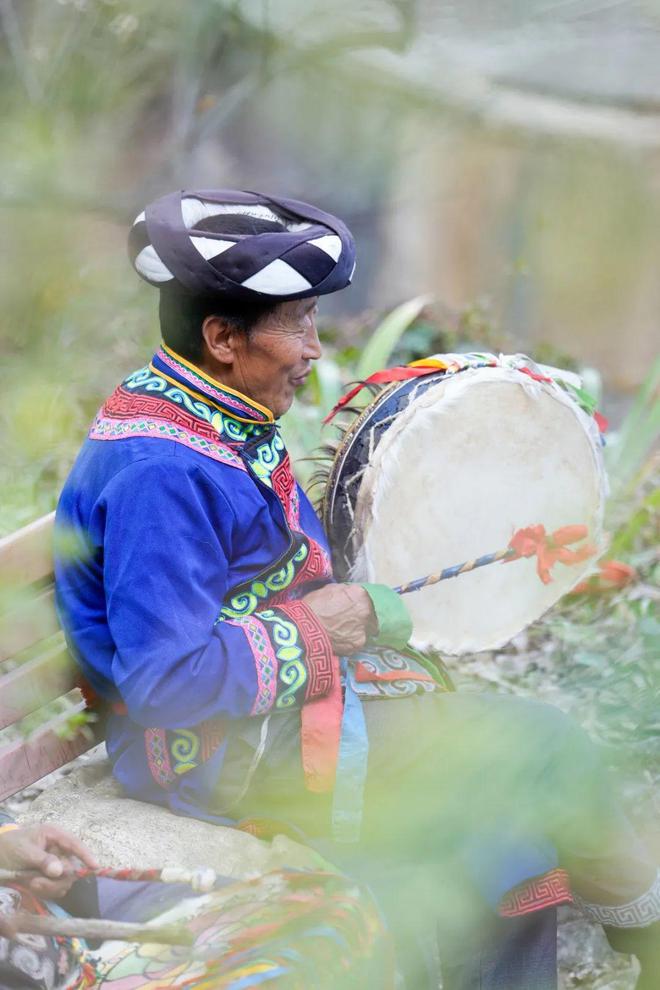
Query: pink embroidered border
x=110, y=429
x=155, y=744
x=265, y=662
x=292, y=509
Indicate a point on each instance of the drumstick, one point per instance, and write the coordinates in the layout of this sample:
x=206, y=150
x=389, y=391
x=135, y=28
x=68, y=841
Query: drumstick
x=201, y=880
x=530, y=541
x=100, y=929
x=97, y=929
x=451, y=572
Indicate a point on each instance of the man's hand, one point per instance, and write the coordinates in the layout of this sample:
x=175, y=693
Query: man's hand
x=346, y=612
x=51, y=851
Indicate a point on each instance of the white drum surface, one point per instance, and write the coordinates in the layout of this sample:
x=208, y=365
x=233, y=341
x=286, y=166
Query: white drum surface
x=478, y=456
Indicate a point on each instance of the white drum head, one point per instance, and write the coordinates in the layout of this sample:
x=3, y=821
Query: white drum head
x=476, y=457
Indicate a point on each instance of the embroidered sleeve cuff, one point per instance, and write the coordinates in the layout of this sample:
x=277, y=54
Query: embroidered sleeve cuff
x=321, y=663
x=292, y=656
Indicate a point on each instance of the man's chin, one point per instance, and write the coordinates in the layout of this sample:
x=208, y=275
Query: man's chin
x=282, y=405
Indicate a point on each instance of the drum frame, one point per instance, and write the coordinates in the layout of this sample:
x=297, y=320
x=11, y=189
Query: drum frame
x=337, y=506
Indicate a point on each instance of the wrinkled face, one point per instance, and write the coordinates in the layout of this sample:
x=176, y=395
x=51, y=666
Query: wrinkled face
x=276, y=358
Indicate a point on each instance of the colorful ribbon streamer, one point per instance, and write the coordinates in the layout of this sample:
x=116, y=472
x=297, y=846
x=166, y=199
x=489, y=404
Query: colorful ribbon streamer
x=385, y=377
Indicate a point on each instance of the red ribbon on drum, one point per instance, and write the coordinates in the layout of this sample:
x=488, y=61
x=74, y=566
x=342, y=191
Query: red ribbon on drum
x=550, y=549
x=385, y=377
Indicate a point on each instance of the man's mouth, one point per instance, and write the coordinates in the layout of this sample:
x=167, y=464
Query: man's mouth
x=301, y=379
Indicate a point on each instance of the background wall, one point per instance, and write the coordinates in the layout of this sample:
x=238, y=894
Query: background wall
x=503, y=157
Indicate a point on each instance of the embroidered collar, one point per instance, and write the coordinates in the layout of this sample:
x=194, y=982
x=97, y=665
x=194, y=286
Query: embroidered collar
x=170, y=398
x=228, y=401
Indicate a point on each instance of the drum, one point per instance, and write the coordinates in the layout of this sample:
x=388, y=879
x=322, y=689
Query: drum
x=443, y=468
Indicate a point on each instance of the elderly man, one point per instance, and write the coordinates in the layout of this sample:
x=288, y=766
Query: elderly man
x=199, y=600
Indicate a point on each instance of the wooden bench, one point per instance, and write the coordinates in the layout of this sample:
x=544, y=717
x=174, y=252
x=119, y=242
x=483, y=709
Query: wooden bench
x=36, y=669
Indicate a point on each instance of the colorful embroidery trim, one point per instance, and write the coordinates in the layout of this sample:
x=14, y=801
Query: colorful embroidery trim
x=265, y=662
x=548, y=890
x=158, y=758
x=284, y=485
x=184, y=746
x=104, y=429
x=237, y=405
x=638, y=913
x=322, y=664
x=290, y=652
x=146, y=382
x=148, y=404
x=171, y=753
x=264, y=455
x=247, y=598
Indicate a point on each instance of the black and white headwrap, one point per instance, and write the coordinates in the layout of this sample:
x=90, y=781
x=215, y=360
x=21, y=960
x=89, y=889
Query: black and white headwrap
x=312, y=253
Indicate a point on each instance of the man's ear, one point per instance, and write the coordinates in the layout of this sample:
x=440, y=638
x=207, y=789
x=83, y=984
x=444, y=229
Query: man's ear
x=220, y=339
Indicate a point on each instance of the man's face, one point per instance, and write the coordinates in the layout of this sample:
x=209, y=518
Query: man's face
x=276, y=358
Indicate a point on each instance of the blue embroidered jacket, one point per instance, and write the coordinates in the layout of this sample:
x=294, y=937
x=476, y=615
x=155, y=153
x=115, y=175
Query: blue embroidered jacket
x=183, y=545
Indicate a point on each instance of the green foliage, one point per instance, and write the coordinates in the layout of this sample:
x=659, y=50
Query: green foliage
x=627, y=455
x=387, y=336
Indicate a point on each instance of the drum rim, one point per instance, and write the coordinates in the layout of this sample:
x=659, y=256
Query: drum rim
x=349, y=436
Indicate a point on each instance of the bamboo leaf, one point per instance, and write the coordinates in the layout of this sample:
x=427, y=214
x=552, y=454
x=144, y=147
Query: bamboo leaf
x=388, y=334
x=326, y=384
x=638, y=435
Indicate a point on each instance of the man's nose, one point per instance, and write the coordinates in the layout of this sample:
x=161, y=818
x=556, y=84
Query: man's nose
x=313, y=349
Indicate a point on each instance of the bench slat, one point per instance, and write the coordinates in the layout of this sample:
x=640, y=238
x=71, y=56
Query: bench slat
x=31, y=621
x=47, y=676
x=24, y=762
x=27, y=555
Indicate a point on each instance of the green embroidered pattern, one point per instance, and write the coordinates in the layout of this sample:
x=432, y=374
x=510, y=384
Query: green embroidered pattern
x=268, y=457
x=286, y=640
x=248, y=601
x=184, y=750
x=264, y=457
x=227, y=427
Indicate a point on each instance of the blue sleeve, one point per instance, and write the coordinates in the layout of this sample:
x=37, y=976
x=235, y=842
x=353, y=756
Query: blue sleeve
x=169, y=534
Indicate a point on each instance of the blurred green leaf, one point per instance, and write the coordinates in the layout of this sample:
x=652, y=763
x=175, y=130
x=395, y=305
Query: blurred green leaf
x=630, y=447
x=626, y=536
x=387, y=335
